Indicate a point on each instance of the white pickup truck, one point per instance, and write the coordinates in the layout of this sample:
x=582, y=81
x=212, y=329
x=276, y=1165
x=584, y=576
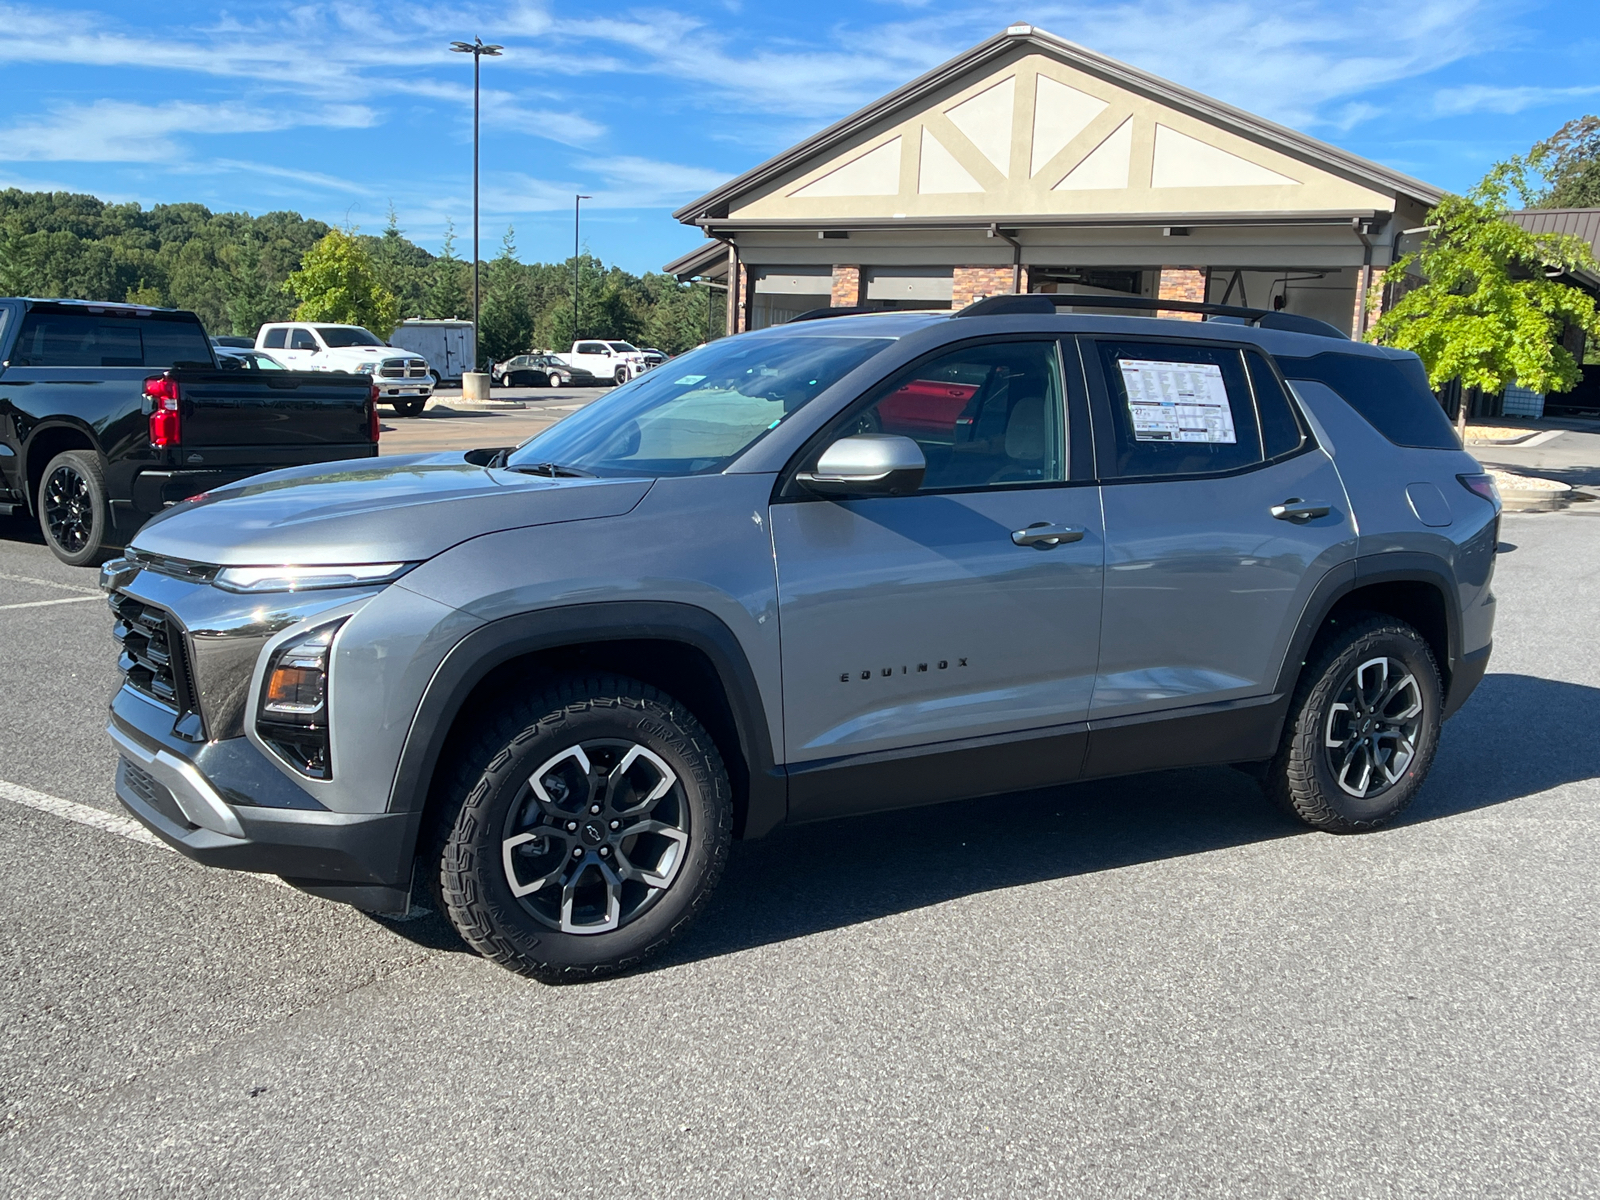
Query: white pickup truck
x=616, y=361
x=402, y=376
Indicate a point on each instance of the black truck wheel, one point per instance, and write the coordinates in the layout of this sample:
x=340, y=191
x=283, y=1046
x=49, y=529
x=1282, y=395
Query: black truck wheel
x=73, y=513
x=588, y=824
x=1363, y=729
x=410, y=407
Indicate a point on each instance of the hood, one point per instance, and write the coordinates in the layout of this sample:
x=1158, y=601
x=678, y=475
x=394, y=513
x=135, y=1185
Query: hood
x=372, y=510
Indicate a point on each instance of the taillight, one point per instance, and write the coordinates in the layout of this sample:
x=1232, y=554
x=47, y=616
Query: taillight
x=1481, y=485
x=372, y=413
x=166, y=427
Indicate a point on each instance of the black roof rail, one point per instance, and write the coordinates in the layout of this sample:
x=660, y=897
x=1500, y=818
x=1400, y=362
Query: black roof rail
x=1048, y=302
x=822, y=314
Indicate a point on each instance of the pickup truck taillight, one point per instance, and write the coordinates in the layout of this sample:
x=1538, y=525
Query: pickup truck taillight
x=166, y=427
x=372, y=413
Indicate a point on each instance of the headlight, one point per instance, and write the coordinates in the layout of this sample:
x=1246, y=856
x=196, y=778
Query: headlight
x=366, y=368
x=293, y=716
x=303, y=579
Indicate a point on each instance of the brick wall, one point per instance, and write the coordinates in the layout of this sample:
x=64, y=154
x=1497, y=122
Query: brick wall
x=846, y=287
x=971, y=284
x=1182, y=283
x=1374, y=301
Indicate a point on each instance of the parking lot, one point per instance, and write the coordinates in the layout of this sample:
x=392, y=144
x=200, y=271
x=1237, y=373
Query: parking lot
x=1152, y=986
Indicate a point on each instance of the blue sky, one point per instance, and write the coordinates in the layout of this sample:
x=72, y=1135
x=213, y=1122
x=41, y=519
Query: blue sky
x=338, y=110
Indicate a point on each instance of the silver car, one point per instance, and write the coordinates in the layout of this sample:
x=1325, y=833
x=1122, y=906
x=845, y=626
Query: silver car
x=831, y=567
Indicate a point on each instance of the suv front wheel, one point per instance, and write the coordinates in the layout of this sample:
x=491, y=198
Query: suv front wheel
x=1363, y=729
x=591, y=823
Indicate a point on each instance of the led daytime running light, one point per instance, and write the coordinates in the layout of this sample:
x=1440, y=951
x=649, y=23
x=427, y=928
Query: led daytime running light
x=303, y=579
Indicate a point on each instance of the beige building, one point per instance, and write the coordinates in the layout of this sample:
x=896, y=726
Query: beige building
x=1032, y=164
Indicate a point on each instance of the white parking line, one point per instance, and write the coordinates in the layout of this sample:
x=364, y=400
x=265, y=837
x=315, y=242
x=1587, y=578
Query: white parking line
x=98, y=818
x=83, y=814
x=50, y=583
x=47, y=603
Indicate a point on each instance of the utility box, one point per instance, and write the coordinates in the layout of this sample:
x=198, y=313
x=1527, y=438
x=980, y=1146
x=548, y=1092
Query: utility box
x=447, y=345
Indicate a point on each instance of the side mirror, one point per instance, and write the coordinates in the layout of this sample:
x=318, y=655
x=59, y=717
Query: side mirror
x=314, y=348
x=868, y=464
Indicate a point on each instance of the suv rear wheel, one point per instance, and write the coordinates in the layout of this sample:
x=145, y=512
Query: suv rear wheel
x=73, y=514
x=592, y=822
x=1363, y=730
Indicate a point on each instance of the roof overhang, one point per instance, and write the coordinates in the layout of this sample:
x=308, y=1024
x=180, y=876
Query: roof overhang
x=715, y=226
x=715, y=203
x=709, y=259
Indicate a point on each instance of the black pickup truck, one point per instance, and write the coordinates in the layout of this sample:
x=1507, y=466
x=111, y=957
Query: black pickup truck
x=111, y=412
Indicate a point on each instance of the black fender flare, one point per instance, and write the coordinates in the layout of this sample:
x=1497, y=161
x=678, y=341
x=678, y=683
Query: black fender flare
x=1395, y=567
x=507, y=638
x=25, y=450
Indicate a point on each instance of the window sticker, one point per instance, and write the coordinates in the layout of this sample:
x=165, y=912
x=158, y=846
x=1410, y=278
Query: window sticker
x=1177, y=401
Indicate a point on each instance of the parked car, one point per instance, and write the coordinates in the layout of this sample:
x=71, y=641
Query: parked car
x=538, y=370
x=609, y=362
x=232, y=358
x=136, y=414
x=403, y=380
x=654, y=357
x=1134, y=544
x=231, y=341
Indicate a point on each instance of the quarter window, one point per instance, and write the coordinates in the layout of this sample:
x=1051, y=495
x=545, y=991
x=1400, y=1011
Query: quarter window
x=984, y=416
x=1178, y=409
x=1281, y=433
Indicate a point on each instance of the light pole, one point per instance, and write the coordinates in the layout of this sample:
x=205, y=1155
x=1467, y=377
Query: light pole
x=477, y=49
x=576, y=201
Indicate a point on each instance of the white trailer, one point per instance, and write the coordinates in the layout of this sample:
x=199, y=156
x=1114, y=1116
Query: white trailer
x=447, y=345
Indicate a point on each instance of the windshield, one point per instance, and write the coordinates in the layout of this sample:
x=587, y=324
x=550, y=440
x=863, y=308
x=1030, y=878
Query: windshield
x=696, y=416
x=336, y=336
x=621, y=347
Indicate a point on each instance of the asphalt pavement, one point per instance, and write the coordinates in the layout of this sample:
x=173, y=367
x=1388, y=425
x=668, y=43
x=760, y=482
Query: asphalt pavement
x=1148, y=987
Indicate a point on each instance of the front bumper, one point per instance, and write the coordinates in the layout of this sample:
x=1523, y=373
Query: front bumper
x=247, y=816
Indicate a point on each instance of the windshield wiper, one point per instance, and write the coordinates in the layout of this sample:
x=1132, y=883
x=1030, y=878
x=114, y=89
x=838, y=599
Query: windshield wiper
x=553, y=470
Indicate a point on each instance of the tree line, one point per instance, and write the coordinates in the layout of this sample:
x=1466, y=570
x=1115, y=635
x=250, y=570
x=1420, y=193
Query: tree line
x=235, y=271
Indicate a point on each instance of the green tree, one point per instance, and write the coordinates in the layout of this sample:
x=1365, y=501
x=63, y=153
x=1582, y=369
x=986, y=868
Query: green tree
x=337, y=282
x=446, y=284
x=1569, y=160
x=1485, y=310
x=506, y=322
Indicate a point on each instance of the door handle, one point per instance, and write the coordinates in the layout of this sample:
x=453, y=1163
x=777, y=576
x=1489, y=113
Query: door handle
x=1296, y=509
x=1044, y=536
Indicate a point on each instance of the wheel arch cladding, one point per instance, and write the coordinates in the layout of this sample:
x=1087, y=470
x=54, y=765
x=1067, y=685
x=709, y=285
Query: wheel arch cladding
x=48, y=442
x=679, y=649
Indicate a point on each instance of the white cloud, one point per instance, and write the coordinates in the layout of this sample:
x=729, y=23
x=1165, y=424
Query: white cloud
x=1481, y=98
x=117, y=131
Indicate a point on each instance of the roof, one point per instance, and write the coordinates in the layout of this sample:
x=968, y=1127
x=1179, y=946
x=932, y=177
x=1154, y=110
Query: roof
x=1581, y=222
x=1237, y=120
x=699, y=260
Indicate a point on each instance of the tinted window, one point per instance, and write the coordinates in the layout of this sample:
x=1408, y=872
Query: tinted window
x=621, y=347
x=1392, y=394
x=336, y=335
x=275, y=338
x=1280, y=426
x=592, y=348
x=984, y=416
x=301, y=339
x=86, y=340
x=709, y=407
x=1178, y=409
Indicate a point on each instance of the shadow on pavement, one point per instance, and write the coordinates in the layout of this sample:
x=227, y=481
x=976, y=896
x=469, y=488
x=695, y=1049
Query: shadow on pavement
x=814, y=878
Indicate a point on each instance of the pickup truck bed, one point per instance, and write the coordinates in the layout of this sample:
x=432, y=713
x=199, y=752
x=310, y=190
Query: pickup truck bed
x=76, y=430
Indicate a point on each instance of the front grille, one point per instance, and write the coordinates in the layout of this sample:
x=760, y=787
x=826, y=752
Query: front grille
x=155, y=658
x=404, y=368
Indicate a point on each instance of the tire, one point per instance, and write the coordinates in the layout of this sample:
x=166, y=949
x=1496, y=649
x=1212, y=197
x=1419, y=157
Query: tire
x=1377, y=673
x=73, y=514
x=503, y=847
x=410, y=407
x=621, y=377
x=438, y=379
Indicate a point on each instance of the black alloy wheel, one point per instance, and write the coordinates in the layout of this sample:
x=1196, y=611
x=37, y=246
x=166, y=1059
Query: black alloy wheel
x=73, y=514
x=1363, y=728
x=590, y=823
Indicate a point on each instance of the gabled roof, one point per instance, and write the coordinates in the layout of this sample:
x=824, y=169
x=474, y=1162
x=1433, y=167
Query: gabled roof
x=1236, y=120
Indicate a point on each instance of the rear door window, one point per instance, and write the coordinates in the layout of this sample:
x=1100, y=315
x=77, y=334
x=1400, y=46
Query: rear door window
x=1391, y=393
x=53, y=339
x=1176, y=409
x=275, y=338
x=1281, y=432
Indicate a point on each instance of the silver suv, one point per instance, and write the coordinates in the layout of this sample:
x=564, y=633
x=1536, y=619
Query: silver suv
x=837, y=566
